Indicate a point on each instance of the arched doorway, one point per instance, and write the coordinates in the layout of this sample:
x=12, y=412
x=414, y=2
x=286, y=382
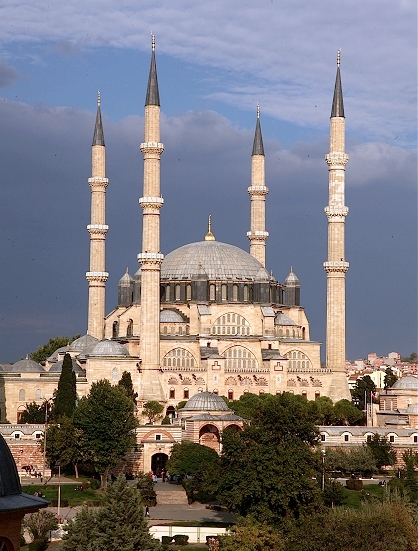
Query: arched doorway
x=171, y=412
x=209, y=436
x=158, y=462
x=6, y=544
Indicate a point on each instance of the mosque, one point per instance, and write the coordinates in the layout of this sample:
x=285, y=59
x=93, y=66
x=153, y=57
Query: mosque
x=208, y=317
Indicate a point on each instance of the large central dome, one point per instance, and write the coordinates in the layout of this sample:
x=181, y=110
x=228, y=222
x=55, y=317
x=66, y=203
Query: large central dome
x=214, y=259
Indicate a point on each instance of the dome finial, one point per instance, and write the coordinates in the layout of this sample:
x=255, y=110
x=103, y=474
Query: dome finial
x=209, y=236
x=338, y=57
x=152, y=41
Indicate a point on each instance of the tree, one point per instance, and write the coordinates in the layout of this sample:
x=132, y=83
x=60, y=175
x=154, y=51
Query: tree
x=252, y=536
x=355, y=459
x=411, y=476
x=39, y=525
x=119, y=524
x=36, y=413
x=153, y=410
x=267, y=469
x=346, y=413
x=334, y=493
x=43, y=352
x=322, y=410
x=65, y=443
x=106, y=417
x=189, y=458
x=365, y=388
x=382, y=450
x=390, y=378
x=247, y=405
x=127, y=386
x=66, y=395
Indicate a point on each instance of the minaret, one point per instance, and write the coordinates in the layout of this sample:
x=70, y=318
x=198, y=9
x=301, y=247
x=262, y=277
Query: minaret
x=97, y=276
x=258, y=191
x=151, y=257
x=336, y=265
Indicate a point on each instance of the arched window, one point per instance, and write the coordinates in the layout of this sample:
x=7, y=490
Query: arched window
x=231, y=324
x=235, y=292
x=179, y=357
x=305, y=363
x=22, y=395
x=115, y=329
x=212, y=292
x=304, y=394
x=177, y=292
x=130, y=328
x=115, y=374
x=317, y=395
x=172, y=393
x=224, y=292
x=180, y=330
x=185, y=393
x=188, y=292
x=246, y=294
x=38, y=394
x=230, y=395
x=240, y=357
x=165, y=330
x=167, y=293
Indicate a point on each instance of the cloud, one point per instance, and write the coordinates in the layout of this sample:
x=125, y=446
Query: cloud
x=279, y=53
x=205, y=170
x=8, y=74
x=66, y=47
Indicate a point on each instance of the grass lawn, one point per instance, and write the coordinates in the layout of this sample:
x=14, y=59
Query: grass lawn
x=68, y=492
x=353, y=499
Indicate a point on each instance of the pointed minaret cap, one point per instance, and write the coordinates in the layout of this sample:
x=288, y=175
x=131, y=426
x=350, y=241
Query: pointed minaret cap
x=153, y=97
x=337, y=103
x=98, y=136
x=292, y=280
x=258, y=148
x=209, y=236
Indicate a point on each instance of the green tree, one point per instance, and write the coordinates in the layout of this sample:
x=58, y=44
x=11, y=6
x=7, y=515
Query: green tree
x=365, y=388
x=346, y=413
x=411, y=476
x=106, y=417
x=189, y=458
x=36, y=413
x=153, y=410
x=43, y=352
x=390, y=378
x=65, y=443
x=322, y=410
x=382, y=450
x=252, y=536
x=127, y=386
x=334, y=493
x=119, y=524
x=247, y=405
x=267, y=469
x=66, y=395
x=39, y=525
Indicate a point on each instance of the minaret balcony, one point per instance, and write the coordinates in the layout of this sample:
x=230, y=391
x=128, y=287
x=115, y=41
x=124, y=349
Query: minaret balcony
x=98, y=228
x=258, y=235
x=336, y=159
x=336, y=266
x=335, y=213
x=258, y=190
x=152, y=147
x=151, y=202
x=98, y=181
x=150, y=257
x=97, y=276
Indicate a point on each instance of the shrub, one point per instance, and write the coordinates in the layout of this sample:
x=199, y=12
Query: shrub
x=181, y=539
x=166, y=420
x=354, y=484
x=94, y=484
x=165, y=540
x=38, y=545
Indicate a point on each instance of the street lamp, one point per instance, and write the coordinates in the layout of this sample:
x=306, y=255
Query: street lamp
x=58, y=464
x=323, y=469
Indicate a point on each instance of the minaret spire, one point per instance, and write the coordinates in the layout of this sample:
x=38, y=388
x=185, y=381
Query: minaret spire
x=151, y=257
x=336, y=265
x=258, y=191
x=97, y=276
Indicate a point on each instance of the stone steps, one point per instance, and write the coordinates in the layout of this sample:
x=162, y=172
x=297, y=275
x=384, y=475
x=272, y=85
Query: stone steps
x=177, y=497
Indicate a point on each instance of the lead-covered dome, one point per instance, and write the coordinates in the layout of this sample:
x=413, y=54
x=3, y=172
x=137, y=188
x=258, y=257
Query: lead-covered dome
x=406, y=383
x=217, y=260
x=205, y=401
x=27, y=366
x=109, y=348
x=82, y=343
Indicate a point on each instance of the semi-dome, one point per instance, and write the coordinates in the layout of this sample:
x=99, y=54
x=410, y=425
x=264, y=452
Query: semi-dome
x=82, y=342
x=27, y=366
x=170, y=316
x=406, y=383
x=205, y=401
x=217, y=260
x=282, y=319
x=109, y=348
x=57, y=367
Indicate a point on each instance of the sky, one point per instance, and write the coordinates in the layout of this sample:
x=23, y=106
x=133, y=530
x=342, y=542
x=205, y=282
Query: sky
x=215, y=61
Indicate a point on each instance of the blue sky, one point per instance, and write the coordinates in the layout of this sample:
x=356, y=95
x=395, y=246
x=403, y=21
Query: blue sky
x=215, y=61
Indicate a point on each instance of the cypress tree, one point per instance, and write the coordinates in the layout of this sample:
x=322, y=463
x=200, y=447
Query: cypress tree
x=125, y=384
x=65, y=398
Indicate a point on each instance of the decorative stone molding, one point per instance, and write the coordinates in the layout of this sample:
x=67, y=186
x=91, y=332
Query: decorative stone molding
x=152, y=147
x=257, y=235
x=336, y=266
x=98, y=181
x=151, y=202
x=336, y=159
x=258, y=190
x=97, y=276
x=98, y=228
x=336, y=214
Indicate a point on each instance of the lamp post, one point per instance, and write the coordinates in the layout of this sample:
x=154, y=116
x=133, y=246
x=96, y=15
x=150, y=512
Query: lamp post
x=323, y=469
x=58, y=464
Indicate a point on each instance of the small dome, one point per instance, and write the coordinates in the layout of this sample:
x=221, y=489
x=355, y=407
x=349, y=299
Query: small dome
x=170, y=316
x=126, y=280
x=54, y=357
x=81, y=343
x=109, y=348
x=27, y=366
x=406, y=383
x=218, y=260
x=205, y=401
x=57, y=367
x=292, y=279
x=281, y=319
x=412, y=409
